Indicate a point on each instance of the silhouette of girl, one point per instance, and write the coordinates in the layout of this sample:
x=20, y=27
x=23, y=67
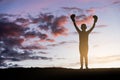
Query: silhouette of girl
x=83, y=39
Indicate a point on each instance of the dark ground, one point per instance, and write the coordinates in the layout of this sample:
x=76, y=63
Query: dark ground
x=59, y=74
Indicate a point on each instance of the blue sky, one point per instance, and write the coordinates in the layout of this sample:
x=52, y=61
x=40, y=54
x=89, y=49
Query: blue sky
x=46, y=36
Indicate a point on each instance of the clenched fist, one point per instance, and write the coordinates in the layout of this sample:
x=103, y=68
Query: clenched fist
x=95, y=18
x=73, y=17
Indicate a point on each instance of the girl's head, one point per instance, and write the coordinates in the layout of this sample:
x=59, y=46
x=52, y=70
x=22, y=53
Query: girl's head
x=83, y=27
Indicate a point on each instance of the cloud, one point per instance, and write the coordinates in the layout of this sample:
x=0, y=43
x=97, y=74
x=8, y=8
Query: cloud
x=2, y=61
x=79, y=10
x=50, y=40
x=116, y=2
x=30, y=34
x=40, y=57
x=34, y=47
x=43, y=37
x=101, y=26
x=8, y=15
x=10, y=29
x=94, y=32
x=72, y=9
x=107, y=4
x=61, y=43
x=45, y=26
x=33, y=34
x=41, y=52
x=11, y=54
x=15, y=54
x=84, y=16
x=106, y=59
x=86, y=20
x=91, y=11
x=58, y=26
x=48, y=22
x=22, y=21
x=13, y=41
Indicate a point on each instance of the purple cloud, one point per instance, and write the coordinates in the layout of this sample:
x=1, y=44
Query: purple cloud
x=116, y=2
x=72, y=9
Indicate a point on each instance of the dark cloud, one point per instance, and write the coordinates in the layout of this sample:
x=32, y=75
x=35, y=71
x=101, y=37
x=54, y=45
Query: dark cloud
x=10, y=29
x=22, y=20
x=13, y=41
x=4, y=19
x=44, y=27
x=6, y=15
x=10, y=38
x=42, y=36
x=13, y=54
x=35, y=47
x=2, y=61
x=41, y=57
x=30, y=34
x=9, y=53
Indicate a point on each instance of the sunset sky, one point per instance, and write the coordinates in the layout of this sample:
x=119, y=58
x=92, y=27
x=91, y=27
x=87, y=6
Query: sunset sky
x=40, y=33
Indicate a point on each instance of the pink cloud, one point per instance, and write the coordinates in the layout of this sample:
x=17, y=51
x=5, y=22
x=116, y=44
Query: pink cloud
x=86, y=20
x=59, y=28
x=50, y=40
x=91, y=11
